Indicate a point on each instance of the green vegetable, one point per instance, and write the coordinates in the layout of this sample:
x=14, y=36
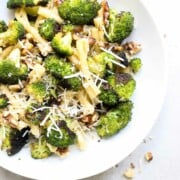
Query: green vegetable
x=123, y=84
x=60, y=69
x=120, y=26
x=32, y=11
x=3, y=101
x=48, y=29
x=37, y=89
x=67, y=28
x=61, y=139
x=109, y=97
x=3, y=26
x=79, y=11
x=35, y=117
x=13, y=4
x=10, y=74
x=14, y=139
x=39, y=149
x=62, y=44
x=14, y=32
x=135, y=64
x=114, y=120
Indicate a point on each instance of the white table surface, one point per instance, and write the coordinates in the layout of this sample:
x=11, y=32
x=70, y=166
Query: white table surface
x=163, y=141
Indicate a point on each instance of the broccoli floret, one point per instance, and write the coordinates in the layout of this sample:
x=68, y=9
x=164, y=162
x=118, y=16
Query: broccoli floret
x=62, y=44
x=48, y=29
x=79, y=11
x=100, y=63
x=3, y=101
x=115, y=119
x=3, y=26
x=37, y=89
x=32, y=11
x=14, y=140
x=10, y=73
x=35, y=117
x=123, y=84
x=62, y=138
x=61, y=69
x=39, y=149
x=120, y=26
x=14, y=32
x=13, y=4
x=67, y=28
x=108, y=96
x=135, y=64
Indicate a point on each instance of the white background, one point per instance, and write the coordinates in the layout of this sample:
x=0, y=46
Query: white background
x=163, y=141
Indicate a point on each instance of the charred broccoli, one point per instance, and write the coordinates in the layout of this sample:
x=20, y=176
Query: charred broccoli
x=108, y=96
x=120, y=25
x=79, y=11
x=114, y=120
x=37, y=89
x=135, y=64
x=14, y=32
x=48, y=29
x=14, y=140
x=62, y=44
x=3, y=26
x=61, y=69
x=62, y=138
x=10, y=73
x=13, y=4
x=123, y=84
x=39, y=149
x=3, y=101
x=35, y=117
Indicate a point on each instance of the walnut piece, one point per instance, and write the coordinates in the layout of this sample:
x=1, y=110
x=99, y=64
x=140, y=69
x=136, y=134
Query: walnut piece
x=148, y=156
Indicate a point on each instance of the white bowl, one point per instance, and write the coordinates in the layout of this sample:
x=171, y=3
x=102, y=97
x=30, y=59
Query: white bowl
x=147, y=99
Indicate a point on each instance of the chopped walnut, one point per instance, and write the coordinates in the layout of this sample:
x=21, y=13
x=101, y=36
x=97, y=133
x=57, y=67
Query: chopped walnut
x=89, y=119
x=132, y=165
x=10, y=120
x=148, y=156
x=132, y=48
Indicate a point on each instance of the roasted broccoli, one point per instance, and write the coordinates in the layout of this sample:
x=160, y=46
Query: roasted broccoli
x=10, y=73
x=120, y=26
x=135, y=64
x=79, y=11
x=62, y=44
x=3, y=26
x=3, y=101
x=35, y=116
x=108, y=96
x=115, y=119
x=99, y=63
x=14, y=32
x=14, y=139
x=48, y=29
x=123, y=84
x=32, y=11
x=37, y=89
x=68, y=28
x=61, y=70
x=39, y=149
x=63, y=137
x=13, y=4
